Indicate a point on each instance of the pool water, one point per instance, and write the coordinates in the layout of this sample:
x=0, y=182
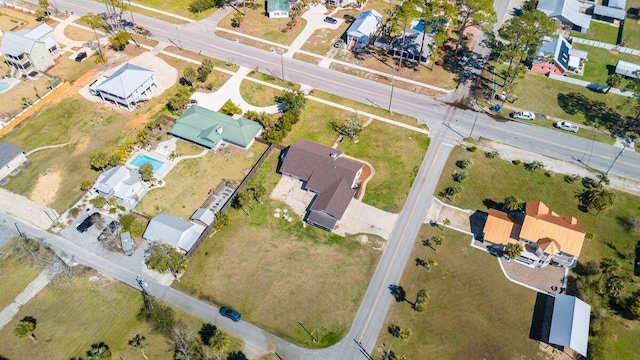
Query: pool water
x=3, y=86
x=143, y=159
x=419, y=26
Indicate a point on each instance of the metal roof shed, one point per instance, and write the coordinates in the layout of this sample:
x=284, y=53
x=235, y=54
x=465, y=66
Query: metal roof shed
x=570, y=323
x=628, y=69
x=609, y=12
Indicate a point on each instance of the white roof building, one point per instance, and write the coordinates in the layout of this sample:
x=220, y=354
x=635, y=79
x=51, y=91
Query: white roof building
x=628, y=69
x=174, y=231
x=567, y=11
x=126, y=185
x=363, y=28
x=127, y=86
x=570, y=323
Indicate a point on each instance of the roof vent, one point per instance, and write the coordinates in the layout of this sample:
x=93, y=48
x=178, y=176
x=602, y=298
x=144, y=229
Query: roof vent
x=219, y=130
x=334, y=155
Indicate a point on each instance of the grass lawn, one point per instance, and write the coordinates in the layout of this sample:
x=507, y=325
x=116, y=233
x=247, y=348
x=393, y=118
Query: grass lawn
x=306, y=58
x=602, y=63
x=70, y=70
x=280, y=274
x=257, y=24
x=222, y=63
x=186, y=187
x=258, y=94
x=79, y=34
x=88, y=309
x=216, y=78
x=474, y=311
x=13, y=20
x=178, y=7
x=611, y=236
x=548, y=91
x=184, y=148
x=315, y=124
x=631, y=37
x=599, y=31
x=14, y=277
x=12, y=100
x=395, y=166
x=375, y=110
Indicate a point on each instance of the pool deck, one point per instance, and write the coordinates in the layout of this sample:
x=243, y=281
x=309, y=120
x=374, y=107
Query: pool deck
x=161, y=154
x=11, y=82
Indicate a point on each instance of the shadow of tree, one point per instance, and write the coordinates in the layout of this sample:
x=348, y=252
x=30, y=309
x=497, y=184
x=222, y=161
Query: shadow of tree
x=596, y=113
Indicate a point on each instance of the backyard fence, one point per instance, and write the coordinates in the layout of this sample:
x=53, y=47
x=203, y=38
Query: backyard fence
x=238, y=190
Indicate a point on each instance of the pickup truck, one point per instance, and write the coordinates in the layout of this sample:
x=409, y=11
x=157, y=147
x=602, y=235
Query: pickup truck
x=567, y=126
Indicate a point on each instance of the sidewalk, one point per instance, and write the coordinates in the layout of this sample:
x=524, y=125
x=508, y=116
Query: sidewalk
x=602, y=45
x=586, y=84
x=39, y=283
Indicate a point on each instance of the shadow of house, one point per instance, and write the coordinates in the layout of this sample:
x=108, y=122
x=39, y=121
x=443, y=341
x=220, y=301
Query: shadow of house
x=477, y=221
x=541, y=319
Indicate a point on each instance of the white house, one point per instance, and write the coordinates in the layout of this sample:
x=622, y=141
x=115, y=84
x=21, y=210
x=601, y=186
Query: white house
x=363, y=28
x=127, y=86
x=26, y=51
x=124, y=184
x=10, y=158
x=174, y=231
x=568, y=12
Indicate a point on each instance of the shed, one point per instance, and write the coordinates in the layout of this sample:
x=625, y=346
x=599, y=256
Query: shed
x=628, y=69
x=608, y=13
x=174, y=231
x=204, y=216
x=11, y=157
x=278, y=8
x=570, y=323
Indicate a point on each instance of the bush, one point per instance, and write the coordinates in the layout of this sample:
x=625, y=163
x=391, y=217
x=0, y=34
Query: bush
x=74, y=211
x=534, y=165
x=460, y=176
x=571, y=178
x=98, y=201
x=491, y=154
x=464, y=163
x=549, y=173
x=229, y=108
x=138, y=227
x=517, y=162
x=472, y=148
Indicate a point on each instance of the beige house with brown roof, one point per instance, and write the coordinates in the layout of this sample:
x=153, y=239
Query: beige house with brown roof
x=546, y=236
x=326, y=172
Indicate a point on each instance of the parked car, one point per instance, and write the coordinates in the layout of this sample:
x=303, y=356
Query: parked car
x=567, y=126
x=338, y=43
x=463, y=61
x=330, y=20
x=81, y=56
x=192, y=102
x=523, y=115
x=88, y=222
x=230, y=313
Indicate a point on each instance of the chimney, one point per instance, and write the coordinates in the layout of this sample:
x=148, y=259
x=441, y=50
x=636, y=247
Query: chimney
x=219, y=130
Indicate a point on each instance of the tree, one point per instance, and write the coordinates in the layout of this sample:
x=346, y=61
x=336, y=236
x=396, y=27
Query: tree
x=229, y=108
x=615, y=286
x=204, y=70
x=464, y=163
x=351, y=128
x=185, y=344
x=85, y=185
x=473, y=13
x=613, y=81
x=431, y=263
x=421, y=300
x=138, y=227
x=453, y=192
x=237, y=19
x=98, y=201
x=219, y=342
x=190, y=75
x=598, y=198
x=590, y=268
x=405, y=333
x=139, y=342
x=259, y=192
x=95, y=22
x=633, y=304
x=120, y=40
x=146, y=171
x=512, y=203
x=460, y=176
x=30, y=252
x=437, y=241
x=115, y=159
x=514, y=250
x=143, y=137
x=221, y=220
x=98, y=160
x=292, y=101
x=241, y=200
x=160, y=317
x=180, y=98
x=534, y=165
x=609, y=267
x=24, y=328
x=164, y=258
x=99, y=351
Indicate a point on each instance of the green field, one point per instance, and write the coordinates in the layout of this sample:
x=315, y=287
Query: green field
x=257, y=94
x=474, y=312
x=281, y=274
x=88, y=309
x=599, y=31
x=14, y=277
x=602, y=63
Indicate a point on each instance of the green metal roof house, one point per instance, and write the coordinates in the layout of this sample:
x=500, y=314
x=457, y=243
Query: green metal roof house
x=278, y=8
x=212, y=129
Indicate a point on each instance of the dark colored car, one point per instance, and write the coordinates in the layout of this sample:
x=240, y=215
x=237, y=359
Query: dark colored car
x=330, y=20
x=81, y=56
x=338, y=43
x=230, y=313
x=88, y=222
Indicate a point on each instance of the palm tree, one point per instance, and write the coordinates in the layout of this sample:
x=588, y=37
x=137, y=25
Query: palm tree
x=512, y=203
x=599, y=199
x=613, y=80
x=99, y=351
x=615, y=286
x=609, y=268
x=259, y=192
x=24, y=329
x=219, y=342
x=514, y=250
x=95, y=21
x=437, y=241
x=431, y=263
x=453, y=192
x=139, y=343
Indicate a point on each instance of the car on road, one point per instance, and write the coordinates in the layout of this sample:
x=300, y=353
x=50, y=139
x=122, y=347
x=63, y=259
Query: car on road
x=230, y=313
x=88, y=222
x=330, y=20
x=81, y=56
x=523, y=115
x=338, y=43
x=463, y=61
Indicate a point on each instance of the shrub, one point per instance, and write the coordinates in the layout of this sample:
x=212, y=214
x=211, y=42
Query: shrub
x=571, y=178
x=472, y=148
x=74, y=211
x=517, y=162
x=138, y=227
x=460, y=176
x=491, y=154
x=549, y=173
x=534, y=165
x=464, y=163
x=98, y=201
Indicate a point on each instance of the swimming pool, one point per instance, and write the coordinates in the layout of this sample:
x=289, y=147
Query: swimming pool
x=419, y=26
x=142, y=159
x=4, y=86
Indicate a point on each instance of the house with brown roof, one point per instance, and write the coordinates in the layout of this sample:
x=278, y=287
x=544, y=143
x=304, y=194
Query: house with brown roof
x=326, y=172
x=546, y=236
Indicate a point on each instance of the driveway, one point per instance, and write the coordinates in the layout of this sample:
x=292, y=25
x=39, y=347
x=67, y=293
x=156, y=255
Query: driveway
x=315, y=20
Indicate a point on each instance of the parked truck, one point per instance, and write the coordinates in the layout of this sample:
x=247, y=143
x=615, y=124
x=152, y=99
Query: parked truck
x=567, y=126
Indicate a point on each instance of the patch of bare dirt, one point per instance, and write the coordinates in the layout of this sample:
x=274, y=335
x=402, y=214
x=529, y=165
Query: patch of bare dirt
x=139, y=121
x=81, y=146
x=46, y=187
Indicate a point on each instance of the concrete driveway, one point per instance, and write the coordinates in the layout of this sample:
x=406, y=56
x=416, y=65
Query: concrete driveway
x=315, y=20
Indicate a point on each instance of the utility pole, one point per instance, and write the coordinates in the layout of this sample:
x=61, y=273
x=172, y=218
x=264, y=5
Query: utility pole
x=179, y=40
x=282, y=63
x=615, y=159
x=474, y=124
x=17, y=228
x=392, y=87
